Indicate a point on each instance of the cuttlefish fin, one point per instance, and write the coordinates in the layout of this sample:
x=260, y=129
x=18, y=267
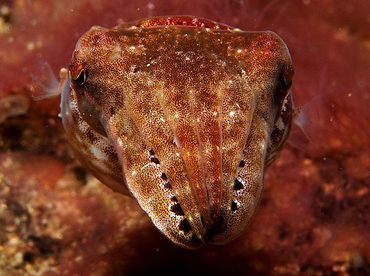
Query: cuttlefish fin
x=45, y=85
x=308, y=120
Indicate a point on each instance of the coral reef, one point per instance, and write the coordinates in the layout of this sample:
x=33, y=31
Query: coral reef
x=314, y=217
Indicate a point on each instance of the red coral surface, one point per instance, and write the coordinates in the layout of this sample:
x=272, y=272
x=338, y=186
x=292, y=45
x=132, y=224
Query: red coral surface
x=314, y=217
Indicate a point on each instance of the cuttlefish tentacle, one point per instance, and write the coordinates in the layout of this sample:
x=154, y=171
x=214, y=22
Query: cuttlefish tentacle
x=184, y=114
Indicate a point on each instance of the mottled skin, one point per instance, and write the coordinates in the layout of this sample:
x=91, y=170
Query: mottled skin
x=184, y=114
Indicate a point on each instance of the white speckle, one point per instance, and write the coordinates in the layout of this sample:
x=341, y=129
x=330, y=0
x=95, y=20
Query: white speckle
x=30, y=46
x=133, y=173
x=82, y=127
x=232, y=113
x=98, y=153
x=241, y=181
x=78, y=137
x=147, y=165
x=262, y=145
x=132, y=68
x=150, y=6
x=162, y=119
x=176, y=143
x=215, y=113
x=116, y=53
x=280, y=124
x=120, y=143
x=148, y=64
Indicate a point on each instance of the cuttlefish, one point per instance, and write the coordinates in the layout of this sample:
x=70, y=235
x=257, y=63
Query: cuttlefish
x=184, y=114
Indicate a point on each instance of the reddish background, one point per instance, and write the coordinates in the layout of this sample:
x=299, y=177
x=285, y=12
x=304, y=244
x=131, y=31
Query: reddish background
x=314, y=217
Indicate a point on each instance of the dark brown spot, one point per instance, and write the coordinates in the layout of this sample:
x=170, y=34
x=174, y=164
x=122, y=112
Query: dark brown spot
x=241, y=164
x=154, y=160
x=174, y=199
x=184, y=225
x=112, y=111
x=152, y=152
x=176, y=208
x=110, y=152
x=195, y=239
x=46, y=245
x=80, y=174
x=164, y=176
x=90, y=135
x=238, y=185
x=29, y=257
x=167, y=186
x=16, y=208
x=234, y=206
x=13, y=132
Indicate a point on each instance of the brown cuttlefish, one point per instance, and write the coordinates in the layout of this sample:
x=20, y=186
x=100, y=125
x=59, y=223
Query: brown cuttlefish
x=184, y=114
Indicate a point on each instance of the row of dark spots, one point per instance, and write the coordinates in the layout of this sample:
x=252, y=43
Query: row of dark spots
x=237, y=186
x=176, y=208
x=234, y=206
x=185, y=226
x=153, y=159
x=167, y=185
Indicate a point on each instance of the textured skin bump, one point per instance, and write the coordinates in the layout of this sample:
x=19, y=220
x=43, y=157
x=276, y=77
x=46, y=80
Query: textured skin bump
x=184, y=114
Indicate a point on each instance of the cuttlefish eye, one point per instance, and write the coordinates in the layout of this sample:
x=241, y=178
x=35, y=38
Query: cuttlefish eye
x=80, y=79
x=287, y=75
x=87, y=105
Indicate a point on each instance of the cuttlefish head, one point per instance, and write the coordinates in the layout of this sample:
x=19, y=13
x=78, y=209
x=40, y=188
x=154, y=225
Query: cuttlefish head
x=184, y=114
